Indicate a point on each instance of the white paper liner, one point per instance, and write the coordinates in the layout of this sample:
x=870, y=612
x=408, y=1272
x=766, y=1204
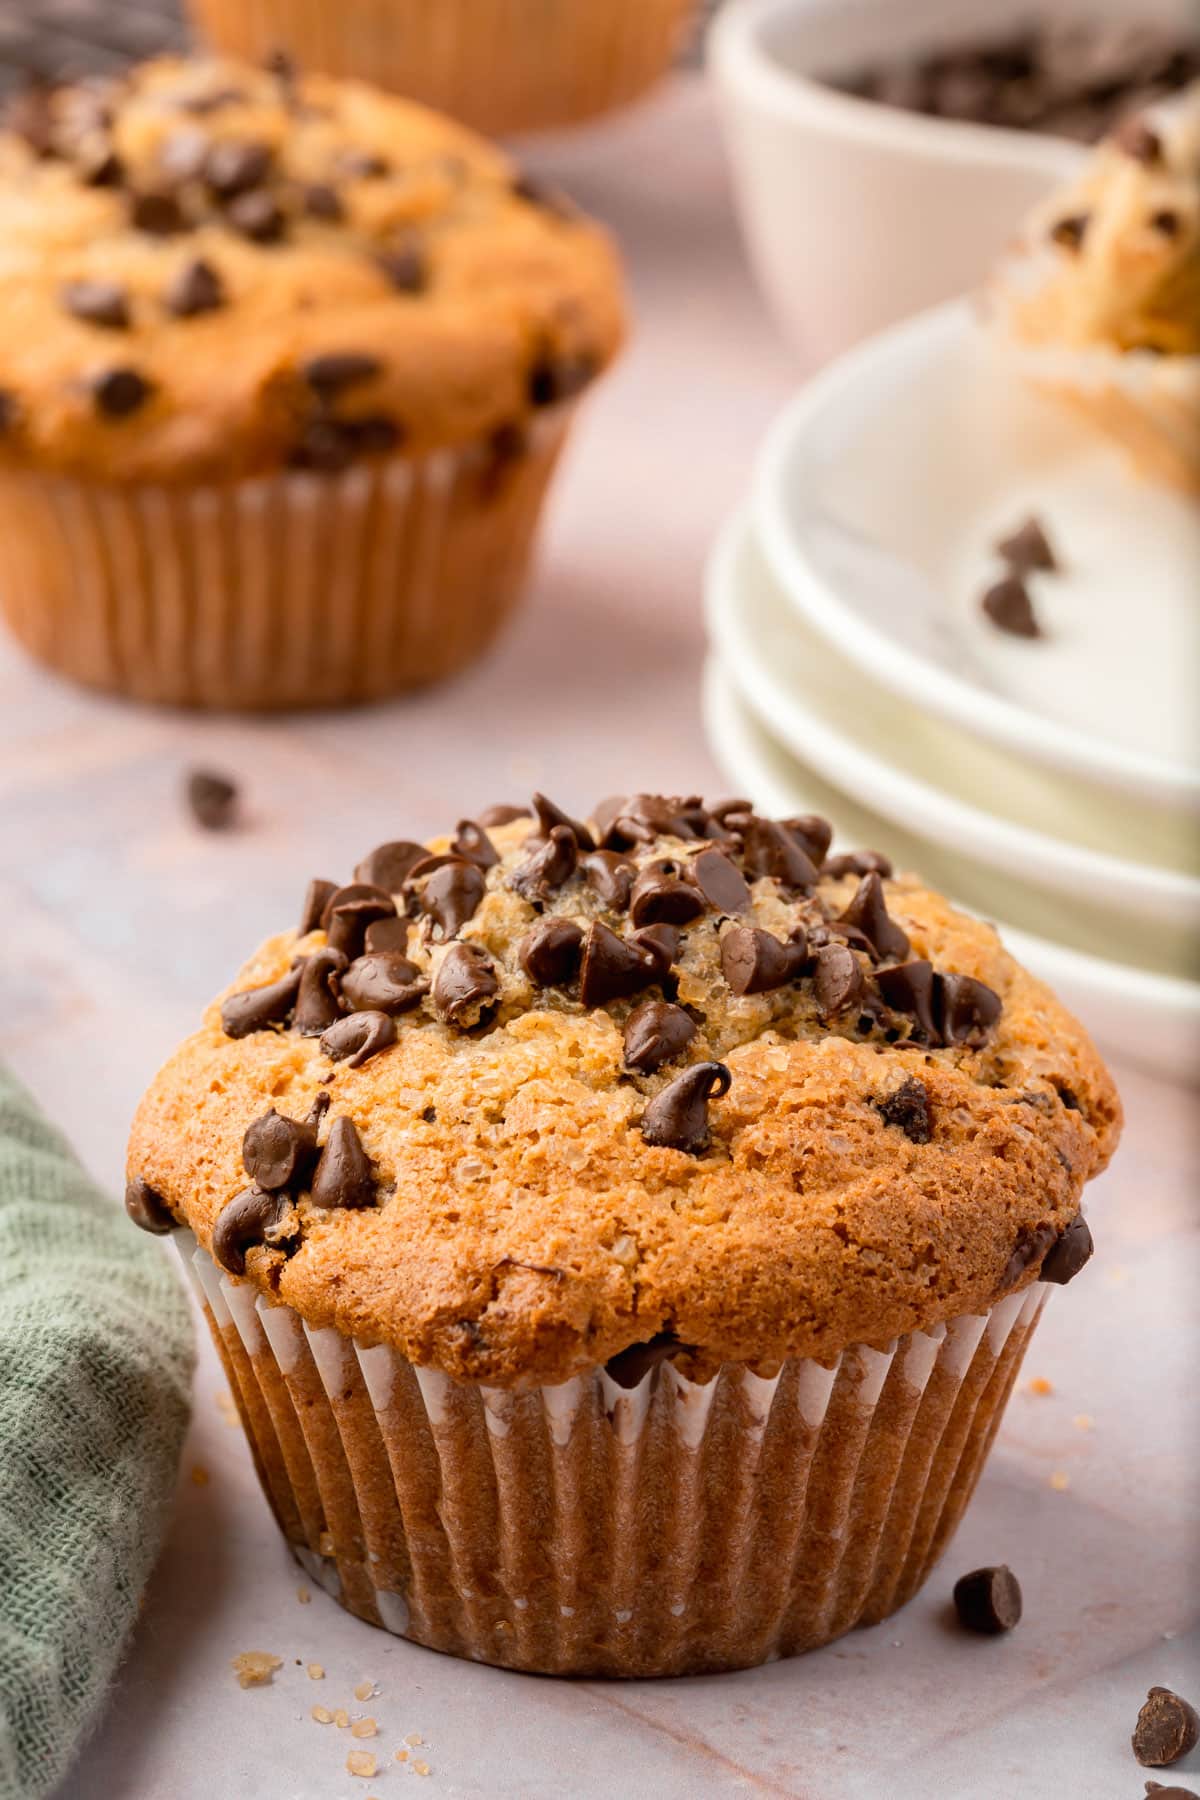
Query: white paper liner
x=589, y=1529
x=287, y=590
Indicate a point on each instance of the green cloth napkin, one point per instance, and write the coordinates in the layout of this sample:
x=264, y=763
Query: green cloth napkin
x=95, y=1371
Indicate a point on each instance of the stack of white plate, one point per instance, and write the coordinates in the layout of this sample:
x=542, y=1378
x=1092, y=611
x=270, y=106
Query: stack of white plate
x=1050, y=784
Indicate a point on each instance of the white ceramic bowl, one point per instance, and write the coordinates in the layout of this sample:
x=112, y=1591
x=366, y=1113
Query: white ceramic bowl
x=858, y=214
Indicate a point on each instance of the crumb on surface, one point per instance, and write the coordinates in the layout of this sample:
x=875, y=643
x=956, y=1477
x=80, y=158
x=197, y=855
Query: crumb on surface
x=303, y=1596
x=341, y=1718
x=1060, y=1481
x=1039, y=1385
x=315, y=1672
x=255, y=1668
x=363, y=1728
x=227, y=1407
x=365, y=1690
x=402, y=1756
x=414, y=1737
x=322, y=1715
x=361, y=1762
x=421, y=1768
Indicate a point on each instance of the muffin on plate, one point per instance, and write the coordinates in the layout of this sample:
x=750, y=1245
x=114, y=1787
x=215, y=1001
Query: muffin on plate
x=499, y=65
x=1101, y=303
x=622, y=1237
x=285, y=366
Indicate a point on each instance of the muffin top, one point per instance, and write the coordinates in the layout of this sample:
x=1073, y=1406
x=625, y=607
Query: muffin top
x=1113, y=261
x=209, y=271
x=543, y=1091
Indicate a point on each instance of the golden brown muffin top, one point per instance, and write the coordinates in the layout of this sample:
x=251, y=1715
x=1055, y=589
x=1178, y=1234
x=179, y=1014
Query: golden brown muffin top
x=549, y=1090
x=209, y=270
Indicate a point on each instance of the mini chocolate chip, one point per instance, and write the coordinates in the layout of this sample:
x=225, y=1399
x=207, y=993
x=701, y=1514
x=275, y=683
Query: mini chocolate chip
x=1008, y=605
x=387, y=934
x=194, y=289
x=1166, y=221
x=661, y=896
x=610, y=875
x=613, y=969
x=549, y=815
x=451, y=895
x=120, y=392
x=1138, y=140
x=345, y=1176
x=147, y=1208
x=364, y=165
x=838, y=980
x=868, y=912
x=384, y=981
x=278, y=1152
x=1028, y=548
x=656, y=1033
x=769, y=849
x=659, y=944
x=102, y=303
x=1029, y=1250
x=473, y=843
x=157, y=214
x=389, y=865
x=909, y=988
x=858, y=862
x=677, y=1118
x=243, y=1225
x=720, y=881
x=503, y=815
x=257, y=1009
x=100, y=167
x=349, y=912
x=324, y=202
x=550, y=952
x=329, y=375
x=404, y=268
x=258, y=216
x=231, y=168
x=556, y=378
x=317, y=1002
x=213, y=799
x=625, y=820
x=465, y=985
x=551, y=865
x=966, y=1009
x=1070, y=231
x=629, y=1368
x=908, y=1107
x=813, y=834
x=988, y=1600
x=1069, y=1255
x=755, y=962
x=317, y=896
x=357, y=1039
x=1167, y=1729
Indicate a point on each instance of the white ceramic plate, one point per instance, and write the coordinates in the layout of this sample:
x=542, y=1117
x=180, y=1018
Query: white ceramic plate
x=1047, y=829
x=879, y=495
x=1149, y=1019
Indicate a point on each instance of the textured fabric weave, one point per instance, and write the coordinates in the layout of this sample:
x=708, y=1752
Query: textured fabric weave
x=95, y=1369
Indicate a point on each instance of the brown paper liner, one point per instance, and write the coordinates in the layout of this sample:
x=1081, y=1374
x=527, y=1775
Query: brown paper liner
x=499, y=65
x=289, y=590
x=591, y=1530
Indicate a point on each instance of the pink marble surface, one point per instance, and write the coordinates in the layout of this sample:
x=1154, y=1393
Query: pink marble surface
x=121, y=919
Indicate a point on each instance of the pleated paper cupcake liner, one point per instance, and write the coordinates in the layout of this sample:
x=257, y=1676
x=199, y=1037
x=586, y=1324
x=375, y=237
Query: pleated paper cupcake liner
x=282, y=591
x=589, y=1529
x=499, y=65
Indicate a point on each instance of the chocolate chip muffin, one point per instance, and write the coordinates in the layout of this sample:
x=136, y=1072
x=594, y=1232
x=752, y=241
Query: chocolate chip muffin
x=1101, y=304
x=499, y=65
x=285, y=365
x=623, y=1236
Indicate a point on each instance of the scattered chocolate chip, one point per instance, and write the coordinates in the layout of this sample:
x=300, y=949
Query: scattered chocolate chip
x=551, y=865
x=550, y=952
x=363, y=165
x=909, y=988
x=1028, y=548
x=868, y=912
x=451, y=895
x=243, y=1225
x=147, y=1208
x=348, y=913
x=659, y=944
x=100, y=167
x=769, y=849
x=120, y=392
x=756, y=962
x=465, y=985
x=1008, y=605
x=317, y=1003
x=258, y=216
x=473, y=843
x=357, y=1039
x=503, y=815
x=662, y=895
x=656, y=1033
x=102, y=303
x=1070, y=1254
x=556, y=378
x=838, y=980
x=213, y=799
x=257, y=1009
x=331, y=374
x=387, y=934
x=966, y=1009
x=1138, y=140
x=548, y=816
x=1167, y=1729
x=677, y=1118
x=390, y=865
x=610, y=875
x=720, y=881
x=858, y=862
x=629, y=1368
x=1070, y=231
x=231, y=168
x=625, y=820
x=278, y=1152
x=404, y=268
x=157, y=214
x=1166, y=221
x=317, y=896
x=383, y=981
x=908, y=1108
x=813, y=834
x=612, y=968
x=1028, y=1251
x=196, y=288
x=345, y=1176
x=323, y=202
x=988, y=1601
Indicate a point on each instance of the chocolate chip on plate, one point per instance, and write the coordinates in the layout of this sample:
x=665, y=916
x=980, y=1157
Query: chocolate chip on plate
x=196, y=288
x=988, y=1601
x=102, y=303
x=243, y=1224
x=1028, y=548
x=1167, y=1729
x=838, y=980
x=868, y=912
x=119, y=392
x=317, y=896
x=720, y=881
x=908, y=1108
x=278, y=1152
x=465, y=985
x=317, y=1003
x=677, y=1118
x=345, y=1175
x=656, y=1033
x=258, y=1009
x=388, y=865
x=1072, y=1252
x=756, y=962
x=550, y=952
x=1008, y=605
x=147, y=1208
x=357, y=1039
x=384, y=981
x=213, y=799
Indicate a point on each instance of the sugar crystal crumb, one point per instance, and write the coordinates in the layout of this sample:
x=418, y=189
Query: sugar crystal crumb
x=364, y=1690
x=363, y=1728
x=304, y=1597
x=1039, y=1385
x=315, y=1672
x=322, y=1715
x=1060, y=1481
x=254, y=1668
x=361, y=1762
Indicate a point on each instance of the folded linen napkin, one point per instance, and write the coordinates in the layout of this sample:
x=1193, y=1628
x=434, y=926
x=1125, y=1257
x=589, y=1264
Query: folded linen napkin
x=95, y=1370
